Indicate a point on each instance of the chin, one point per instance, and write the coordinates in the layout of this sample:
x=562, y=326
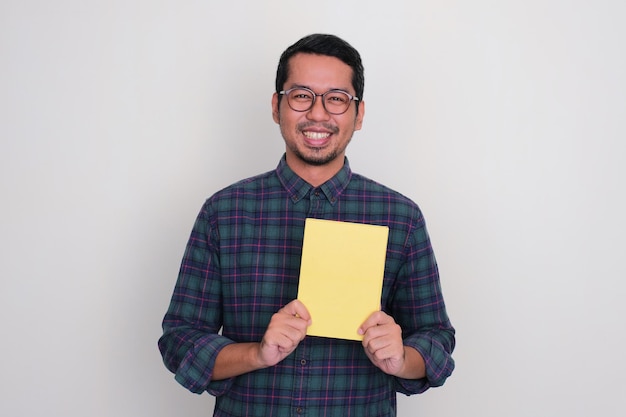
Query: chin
x=317, y=160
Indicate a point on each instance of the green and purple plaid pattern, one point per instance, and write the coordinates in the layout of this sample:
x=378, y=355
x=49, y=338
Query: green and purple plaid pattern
x=241, y=265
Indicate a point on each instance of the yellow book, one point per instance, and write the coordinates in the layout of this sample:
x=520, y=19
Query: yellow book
x=341, y=276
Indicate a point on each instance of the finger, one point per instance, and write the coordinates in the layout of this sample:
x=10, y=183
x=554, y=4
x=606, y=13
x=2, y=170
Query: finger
x=283, y=322
x=286, y=334
x=377, y=318
x=297, y=309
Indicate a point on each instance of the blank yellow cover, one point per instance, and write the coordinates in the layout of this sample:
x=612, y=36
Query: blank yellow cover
x=341, y=276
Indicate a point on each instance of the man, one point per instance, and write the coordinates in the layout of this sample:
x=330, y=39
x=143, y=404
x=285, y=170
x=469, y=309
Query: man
x=241, y=266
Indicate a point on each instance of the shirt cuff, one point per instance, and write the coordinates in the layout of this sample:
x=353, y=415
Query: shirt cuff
x=437, y=359
x=196, y=369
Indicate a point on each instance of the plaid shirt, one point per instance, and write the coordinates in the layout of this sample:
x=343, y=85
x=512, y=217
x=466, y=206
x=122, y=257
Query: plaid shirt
x=241, y=265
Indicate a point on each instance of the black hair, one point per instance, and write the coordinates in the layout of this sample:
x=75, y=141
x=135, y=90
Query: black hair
x=323, y=44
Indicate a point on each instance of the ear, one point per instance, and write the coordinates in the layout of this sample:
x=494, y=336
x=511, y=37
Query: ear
x=275, y=110
x=358, y=123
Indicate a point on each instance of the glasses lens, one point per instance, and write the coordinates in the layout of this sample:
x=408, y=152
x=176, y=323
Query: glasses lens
x=300, y=99
x=336, y=102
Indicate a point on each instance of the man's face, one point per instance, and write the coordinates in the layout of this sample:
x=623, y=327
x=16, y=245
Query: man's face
x=316, y=137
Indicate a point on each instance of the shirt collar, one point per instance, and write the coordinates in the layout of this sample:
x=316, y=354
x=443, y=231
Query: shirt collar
x=297, y=188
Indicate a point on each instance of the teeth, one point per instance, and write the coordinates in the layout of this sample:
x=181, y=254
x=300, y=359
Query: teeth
x=316, y=135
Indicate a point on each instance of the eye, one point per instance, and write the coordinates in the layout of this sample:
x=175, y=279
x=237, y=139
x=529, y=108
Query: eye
x=337, y=97
x=301, y=95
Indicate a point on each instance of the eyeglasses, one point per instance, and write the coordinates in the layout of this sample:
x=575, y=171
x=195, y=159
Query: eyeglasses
x=334, y=101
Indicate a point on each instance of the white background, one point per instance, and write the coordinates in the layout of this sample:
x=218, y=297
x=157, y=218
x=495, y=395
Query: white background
x=504, y=120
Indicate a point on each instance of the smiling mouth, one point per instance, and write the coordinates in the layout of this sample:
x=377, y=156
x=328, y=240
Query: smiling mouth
x=316, y=135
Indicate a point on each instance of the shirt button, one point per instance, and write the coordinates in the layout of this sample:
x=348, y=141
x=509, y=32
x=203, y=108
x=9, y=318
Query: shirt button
x=299, y=410
x=302, y=362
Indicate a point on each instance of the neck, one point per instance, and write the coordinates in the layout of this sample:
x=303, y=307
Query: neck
x=315, y=175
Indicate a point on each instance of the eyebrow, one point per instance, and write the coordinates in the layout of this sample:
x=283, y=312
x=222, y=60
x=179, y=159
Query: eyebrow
x=310, y=88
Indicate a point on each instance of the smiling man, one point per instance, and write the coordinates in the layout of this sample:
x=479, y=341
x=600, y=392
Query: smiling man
x=234, y=327
x=317, y=128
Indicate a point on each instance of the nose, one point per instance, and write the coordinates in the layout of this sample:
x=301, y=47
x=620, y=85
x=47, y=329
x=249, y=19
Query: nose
x=317, y=111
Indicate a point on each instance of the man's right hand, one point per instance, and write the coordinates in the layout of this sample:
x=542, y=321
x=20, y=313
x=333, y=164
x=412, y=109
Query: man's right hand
x=286, y=330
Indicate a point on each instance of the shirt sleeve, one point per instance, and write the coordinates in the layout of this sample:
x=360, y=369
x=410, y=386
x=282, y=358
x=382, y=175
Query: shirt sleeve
x=418, y=307
x=191, y=341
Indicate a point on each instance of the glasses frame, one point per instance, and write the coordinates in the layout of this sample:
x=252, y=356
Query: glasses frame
x=315, y=96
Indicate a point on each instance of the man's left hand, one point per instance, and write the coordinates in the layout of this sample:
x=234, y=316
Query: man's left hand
x=382, y=341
